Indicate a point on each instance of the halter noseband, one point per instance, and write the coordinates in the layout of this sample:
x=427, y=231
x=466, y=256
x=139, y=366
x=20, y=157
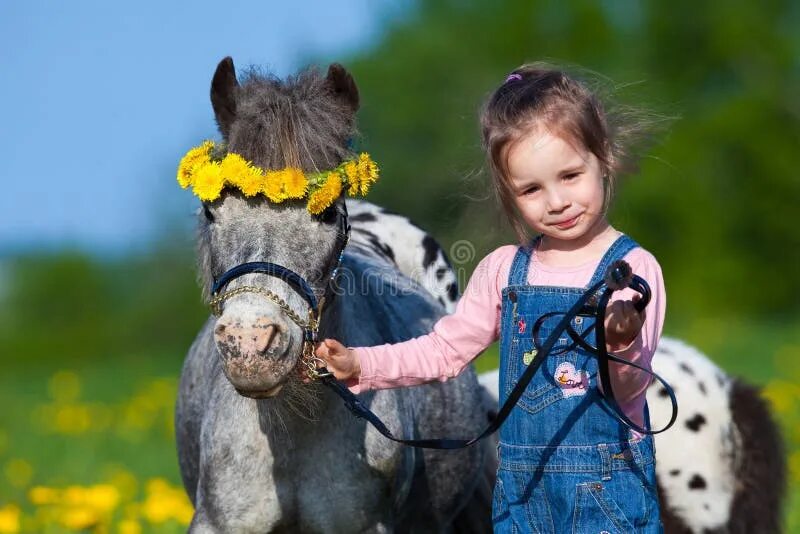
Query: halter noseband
x=310, y=326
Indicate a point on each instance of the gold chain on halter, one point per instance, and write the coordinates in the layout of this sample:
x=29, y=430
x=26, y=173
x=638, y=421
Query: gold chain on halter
x=219, y=299
x=309, y=359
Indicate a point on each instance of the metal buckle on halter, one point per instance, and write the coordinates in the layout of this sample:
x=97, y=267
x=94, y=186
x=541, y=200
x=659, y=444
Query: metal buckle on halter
x=310, y=360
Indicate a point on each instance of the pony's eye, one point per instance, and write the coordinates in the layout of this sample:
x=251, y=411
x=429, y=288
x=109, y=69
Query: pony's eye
x=328, y=216
x=208, y=213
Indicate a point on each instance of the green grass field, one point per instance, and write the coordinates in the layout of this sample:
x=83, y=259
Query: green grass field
x=91, y=447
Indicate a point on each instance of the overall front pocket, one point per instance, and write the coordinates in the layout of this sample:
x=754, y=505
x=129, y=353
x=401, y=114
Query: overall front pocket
x=596, y=510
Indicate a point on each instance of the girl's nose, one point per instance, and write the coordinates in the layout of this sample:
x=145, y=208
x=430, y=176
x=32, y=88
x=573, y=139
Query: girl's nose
x=556, y=200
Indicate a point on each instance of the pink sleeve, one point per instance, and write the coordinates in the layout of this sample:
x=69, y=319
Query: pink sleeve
x=630, y=383
x=455, y=341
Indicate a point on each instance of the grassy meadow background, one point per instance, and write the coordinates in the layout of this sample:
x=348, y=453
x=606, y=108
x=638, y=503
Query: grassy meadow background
x=91, y=345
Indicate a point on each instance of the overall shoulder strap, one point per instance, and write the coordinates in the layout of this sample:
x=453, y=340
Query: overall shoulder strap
x=618, y=249
x=518, y=275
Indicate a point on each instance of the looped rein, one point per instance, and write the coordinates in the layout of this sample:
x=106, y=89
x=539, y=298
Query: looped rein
x=618, y=276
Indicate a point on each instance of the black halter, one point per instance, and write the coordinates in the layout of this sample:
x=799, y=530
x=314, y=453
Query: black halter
x=264, y=267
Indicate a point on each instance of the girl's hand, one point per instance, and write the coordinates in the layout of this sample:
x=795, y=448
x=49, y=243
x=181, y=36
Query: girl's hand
x=623, y=324
x=342, y=362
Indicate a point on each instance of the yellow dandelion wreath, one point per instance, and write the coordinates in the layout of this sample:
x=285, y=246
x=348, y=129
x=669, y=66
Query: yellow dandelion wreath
x=208, y=173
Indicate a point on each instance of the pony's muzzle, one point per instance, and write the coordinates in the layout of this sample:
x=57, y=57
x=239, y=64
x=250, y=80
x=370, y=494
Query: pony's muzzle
x=262, y=337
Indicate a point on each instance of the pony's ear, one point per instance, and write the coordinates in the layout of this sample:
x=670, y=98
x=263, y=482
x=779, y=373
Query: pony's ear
x=223, y=95
x=342, y=85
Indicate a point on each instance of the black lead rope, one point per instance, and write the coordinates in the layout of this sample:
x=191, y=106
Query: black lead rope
x=618, y=276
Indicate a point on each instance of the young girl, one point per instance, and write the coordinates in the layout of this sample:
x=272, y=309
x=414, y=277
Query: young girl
x=566, y=462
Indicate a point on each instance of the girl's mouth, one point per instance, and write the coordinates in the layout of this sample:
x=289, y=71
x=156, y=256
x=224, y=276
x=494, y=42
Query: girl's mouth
x=567, y=224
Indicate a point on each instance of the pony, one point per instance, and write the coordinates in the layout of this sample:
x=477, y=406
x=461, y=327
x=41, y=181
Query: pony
x=261, y=449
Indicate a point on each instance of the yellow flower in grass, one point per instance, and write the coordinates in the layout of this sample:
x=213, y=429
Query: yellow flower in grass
x=129, y=526
x=783, y=395
x=326, y=194
x=40, y=495
x=102, y=497
x=79, y=517
x=239, y=173
x=367, y=172
x=294, y=182
x=351, y=174
x=9, y=519
x=196, y=156
x=208, y=181
x=164, y=502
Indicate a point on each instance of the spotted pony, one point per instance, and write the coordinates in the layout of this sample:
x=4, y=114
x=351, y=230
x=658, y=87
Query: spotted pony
x=720, y=468
x=416, y=254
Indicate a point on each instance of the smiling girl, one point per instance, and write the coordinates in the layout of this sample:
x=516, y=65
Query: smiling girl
x=566, y=463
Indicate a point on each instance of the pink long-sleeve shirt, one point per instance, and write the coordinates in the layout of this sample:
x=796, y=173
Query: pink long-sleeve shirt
x=460, y=337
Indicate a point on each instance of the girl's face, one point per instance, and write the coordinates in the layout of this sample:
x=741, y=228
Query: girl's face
x=559, y=188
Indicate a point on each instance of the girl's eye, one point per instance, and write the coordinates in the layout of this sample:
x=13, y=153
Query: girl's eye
x=530, y=190
x=572, y=175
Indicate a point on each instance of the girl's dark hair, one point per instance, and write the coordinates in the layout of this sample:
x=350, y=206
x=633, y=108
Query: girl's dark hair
x=539, y=94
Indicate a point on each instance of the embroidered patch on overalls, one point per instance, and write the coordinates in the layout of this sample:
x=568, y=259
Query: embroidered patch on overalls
x=528, y=357
x=571, y=381
x=521, y=325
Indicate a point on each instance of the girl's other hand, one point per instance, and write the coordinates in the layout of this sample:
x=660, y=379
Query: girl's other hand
x=342, y=362
x=623, y=324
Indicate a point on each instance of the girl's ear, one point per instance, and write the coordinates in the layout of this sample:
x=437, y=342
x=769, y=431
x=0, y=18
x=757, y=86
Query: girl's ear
x=223, y=95
x=342, y=85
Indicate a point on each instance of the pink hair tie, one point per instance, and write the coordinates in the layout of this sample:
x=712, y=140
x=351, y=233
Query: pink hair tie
x=513, y=76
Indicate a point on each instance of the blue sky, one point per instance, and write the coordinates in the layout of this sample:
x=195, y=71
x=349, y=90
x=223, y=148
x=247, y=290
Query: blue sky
x=100, y=100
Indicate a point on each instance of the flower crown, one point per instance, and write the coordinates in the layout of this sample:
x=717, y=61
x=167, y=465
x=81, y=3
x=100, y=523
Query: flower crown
x=208, y=171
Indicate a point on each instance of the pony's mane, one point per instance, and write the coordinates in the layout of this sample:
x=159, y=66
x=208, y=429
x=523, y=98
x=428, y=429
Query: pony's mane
x=297, y=121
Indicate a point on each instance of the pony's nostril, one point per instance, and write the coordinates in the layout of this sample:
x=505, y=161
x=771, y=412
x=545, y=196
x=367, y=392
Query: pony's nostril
x=219, y=330
x=266, y=337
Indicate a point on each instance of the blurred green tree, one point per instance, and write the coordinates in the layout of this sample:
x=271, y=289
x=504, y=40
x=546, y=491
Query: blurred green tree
x=713, y=199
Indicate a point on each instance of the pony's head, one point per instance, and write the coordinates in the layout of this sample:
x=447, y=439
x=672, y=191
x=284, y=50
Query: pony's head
x=302, y=122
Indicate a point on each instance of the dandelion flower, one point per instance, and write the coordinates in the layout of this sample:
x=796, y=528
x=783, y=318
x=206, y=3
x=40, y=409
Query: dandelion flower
x=294, y=182
x=165, y=502
x=351, y=173
x=9, y=519
x=367, y=172
x=103, y=497
x=273, y=187
x=196, y=156
x=208, y=181
x=79, y=518
x=239, y=173
x=40, y=495
x=326, y=194
x=129, y=526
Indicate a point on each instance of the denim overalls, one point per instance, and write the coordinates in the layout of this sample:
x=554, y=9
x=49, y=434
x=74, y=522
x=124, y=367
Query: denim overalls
x=566, y=464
